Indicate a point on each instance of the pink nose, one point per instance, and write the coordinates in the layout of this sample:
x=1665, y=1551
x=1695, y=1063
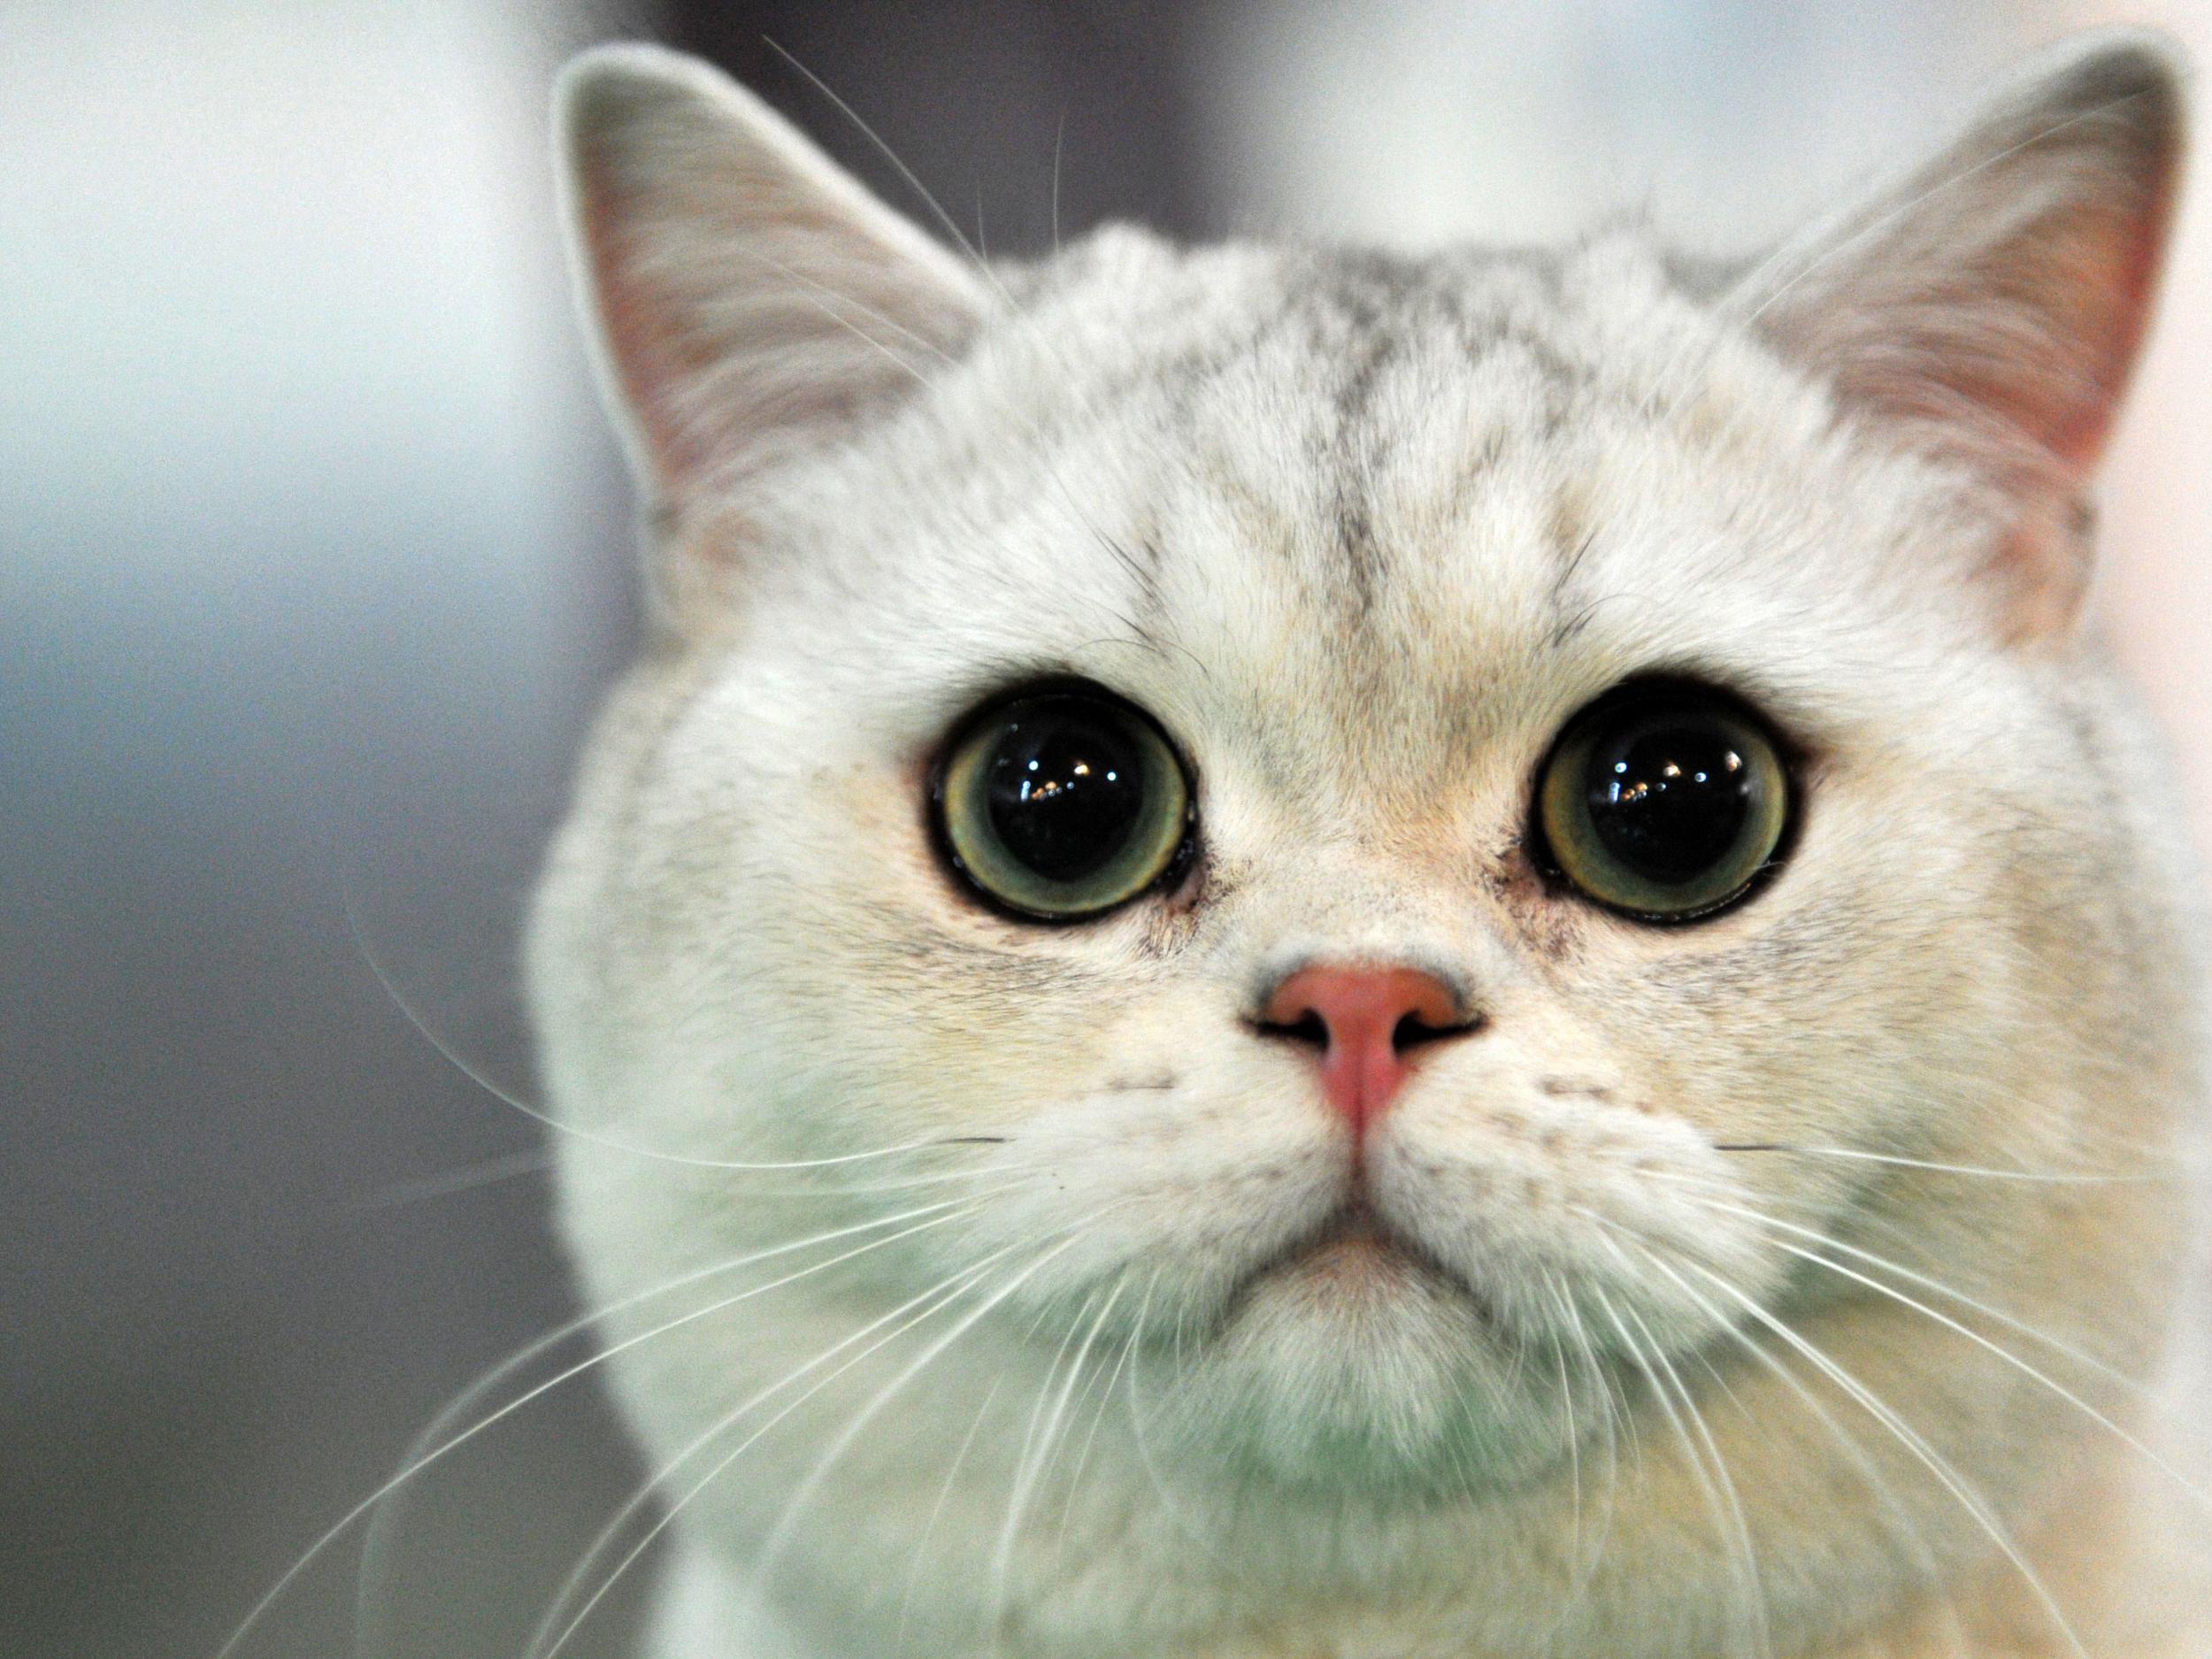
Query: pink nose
x=1365, y=1021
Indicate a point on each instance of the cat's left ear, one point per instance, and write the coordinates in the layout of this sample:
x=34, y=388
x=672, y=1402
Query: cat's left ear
x=751, y=299
x=1991, y=305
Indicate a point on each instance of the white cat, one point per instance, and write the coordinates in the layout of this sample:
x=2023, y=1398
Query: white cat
x=1303, y=952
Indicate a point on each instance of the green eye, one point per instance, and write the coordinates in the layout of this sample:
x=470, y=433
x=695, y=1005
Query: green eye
x=1665, y=804
x=1064, y=805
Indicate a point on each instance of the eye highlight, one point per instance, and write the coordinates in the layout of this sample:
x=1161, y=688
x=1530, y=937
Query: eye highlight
x=1062, y=805
x=1663, y=802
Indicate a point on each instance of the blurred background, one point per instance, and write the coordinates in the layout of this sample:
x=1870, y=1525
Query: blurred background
x=314, y=557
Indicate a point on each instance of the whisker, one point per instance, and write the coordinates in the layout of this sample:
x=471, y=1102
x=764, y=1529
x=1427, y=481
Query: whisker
x=958, y=1208
x=905, y=173
x=1029, y=1475
x=2057, y=1345
x=1168, y=1507
x=952, y=228
x=1755, y=1594
x=1003, y=1556
x=1985, y=1171
x=959, y=1284
x=460, y=1062
x=489, y=1172
x=1972, y=1502
x=1098, y=1419
x=901, y=1184
x=838, y=1448
x=938, y=1296
x=937, y=1510
x=1876, y=1482
x=1567, y=1404
x=1587, y=1560
x=1692, y=1460
x=1059, y=141
x=1615, y=1401
x=1056, y=1438
x=2181, y=1481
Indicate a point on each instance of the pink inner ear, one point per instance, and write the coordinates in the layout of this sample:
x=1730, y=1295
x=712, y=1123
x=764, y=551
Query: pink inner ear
x=753, y=301
x=2117, y=274
x=1993, y=301
x=651, y=353
x=2024, y=352
x=2087, y=278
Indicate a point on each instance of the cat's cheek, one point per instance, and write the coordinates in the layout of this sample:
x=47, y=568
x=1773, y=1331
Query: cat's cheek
x=1180, y=1172
x=1550, y=1207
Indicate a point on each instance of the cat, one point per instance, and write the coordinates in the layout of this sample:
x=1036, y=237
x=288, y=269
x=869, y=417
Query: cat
x=1309, y=953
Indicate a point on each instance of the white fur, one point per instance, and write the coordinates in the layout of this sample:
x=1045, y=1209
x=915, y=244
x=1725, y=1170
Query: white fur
x=1361, y=534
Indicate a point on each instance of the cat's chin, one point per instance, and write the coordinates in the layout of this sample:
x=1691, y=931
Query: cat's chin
x=1353, y=1361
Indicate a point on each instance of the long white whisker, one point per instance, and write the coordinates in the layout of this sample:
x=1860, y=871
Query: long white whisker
x=1692, y=1458
x=938, y=1297
x=1072, y=1402
x=1168, y=1506
x=2057, y=1345
x=1876, y=1482
x=1098, y=1419
x=1586, y=1552
x=1994, y=1172
x=839, y=1447
x=1031, y=1473
x=1574, y=1438
x=937, y=1510
x=2005, y=1353
x=1748, y=1559
x=1002, y=1557
x=937, y=208
x=1882, y=221
x=1616, y=1404
x=1587, y=1560
x=952, y=228
x=816, y=1191
x=1059, y=141
x=1972, y=1502
x=546, y=1343
x=453, y=1056
x=420, y=1455
x=535, y=1161
x=959, y=1283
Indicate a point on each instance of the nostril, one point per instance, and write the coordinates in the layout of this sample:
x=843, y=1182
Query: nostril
x=1309, y=1028
x=1414, y=1031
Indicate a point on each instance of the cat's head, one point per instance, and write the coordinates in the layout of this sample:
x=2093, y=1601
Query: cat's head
x=1371, y=823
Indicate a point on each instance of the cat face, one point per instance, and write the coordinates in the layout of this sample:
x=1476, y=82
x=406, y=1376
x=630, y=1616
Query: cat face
x=1402, y=1099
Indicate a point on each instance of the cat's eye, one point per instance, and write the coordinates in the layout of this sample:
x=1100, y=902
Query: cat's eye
x=1064, y=804
x=1665, y=803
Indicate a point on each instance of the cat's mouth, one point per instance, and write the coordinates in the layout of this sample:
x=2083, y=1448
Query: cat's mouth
x=1355, y=1256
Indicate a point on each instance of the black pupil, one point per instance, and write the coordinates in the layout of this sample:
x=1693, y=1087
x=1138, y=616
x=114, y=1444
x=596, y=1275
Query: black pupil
x=1669, y=795
x=1066, y=786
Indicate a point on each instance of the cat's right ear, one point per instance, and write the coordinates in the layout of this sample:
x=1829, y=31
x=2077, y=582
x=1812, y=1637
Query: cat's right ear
x=1989, y=306
x=749, y=299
